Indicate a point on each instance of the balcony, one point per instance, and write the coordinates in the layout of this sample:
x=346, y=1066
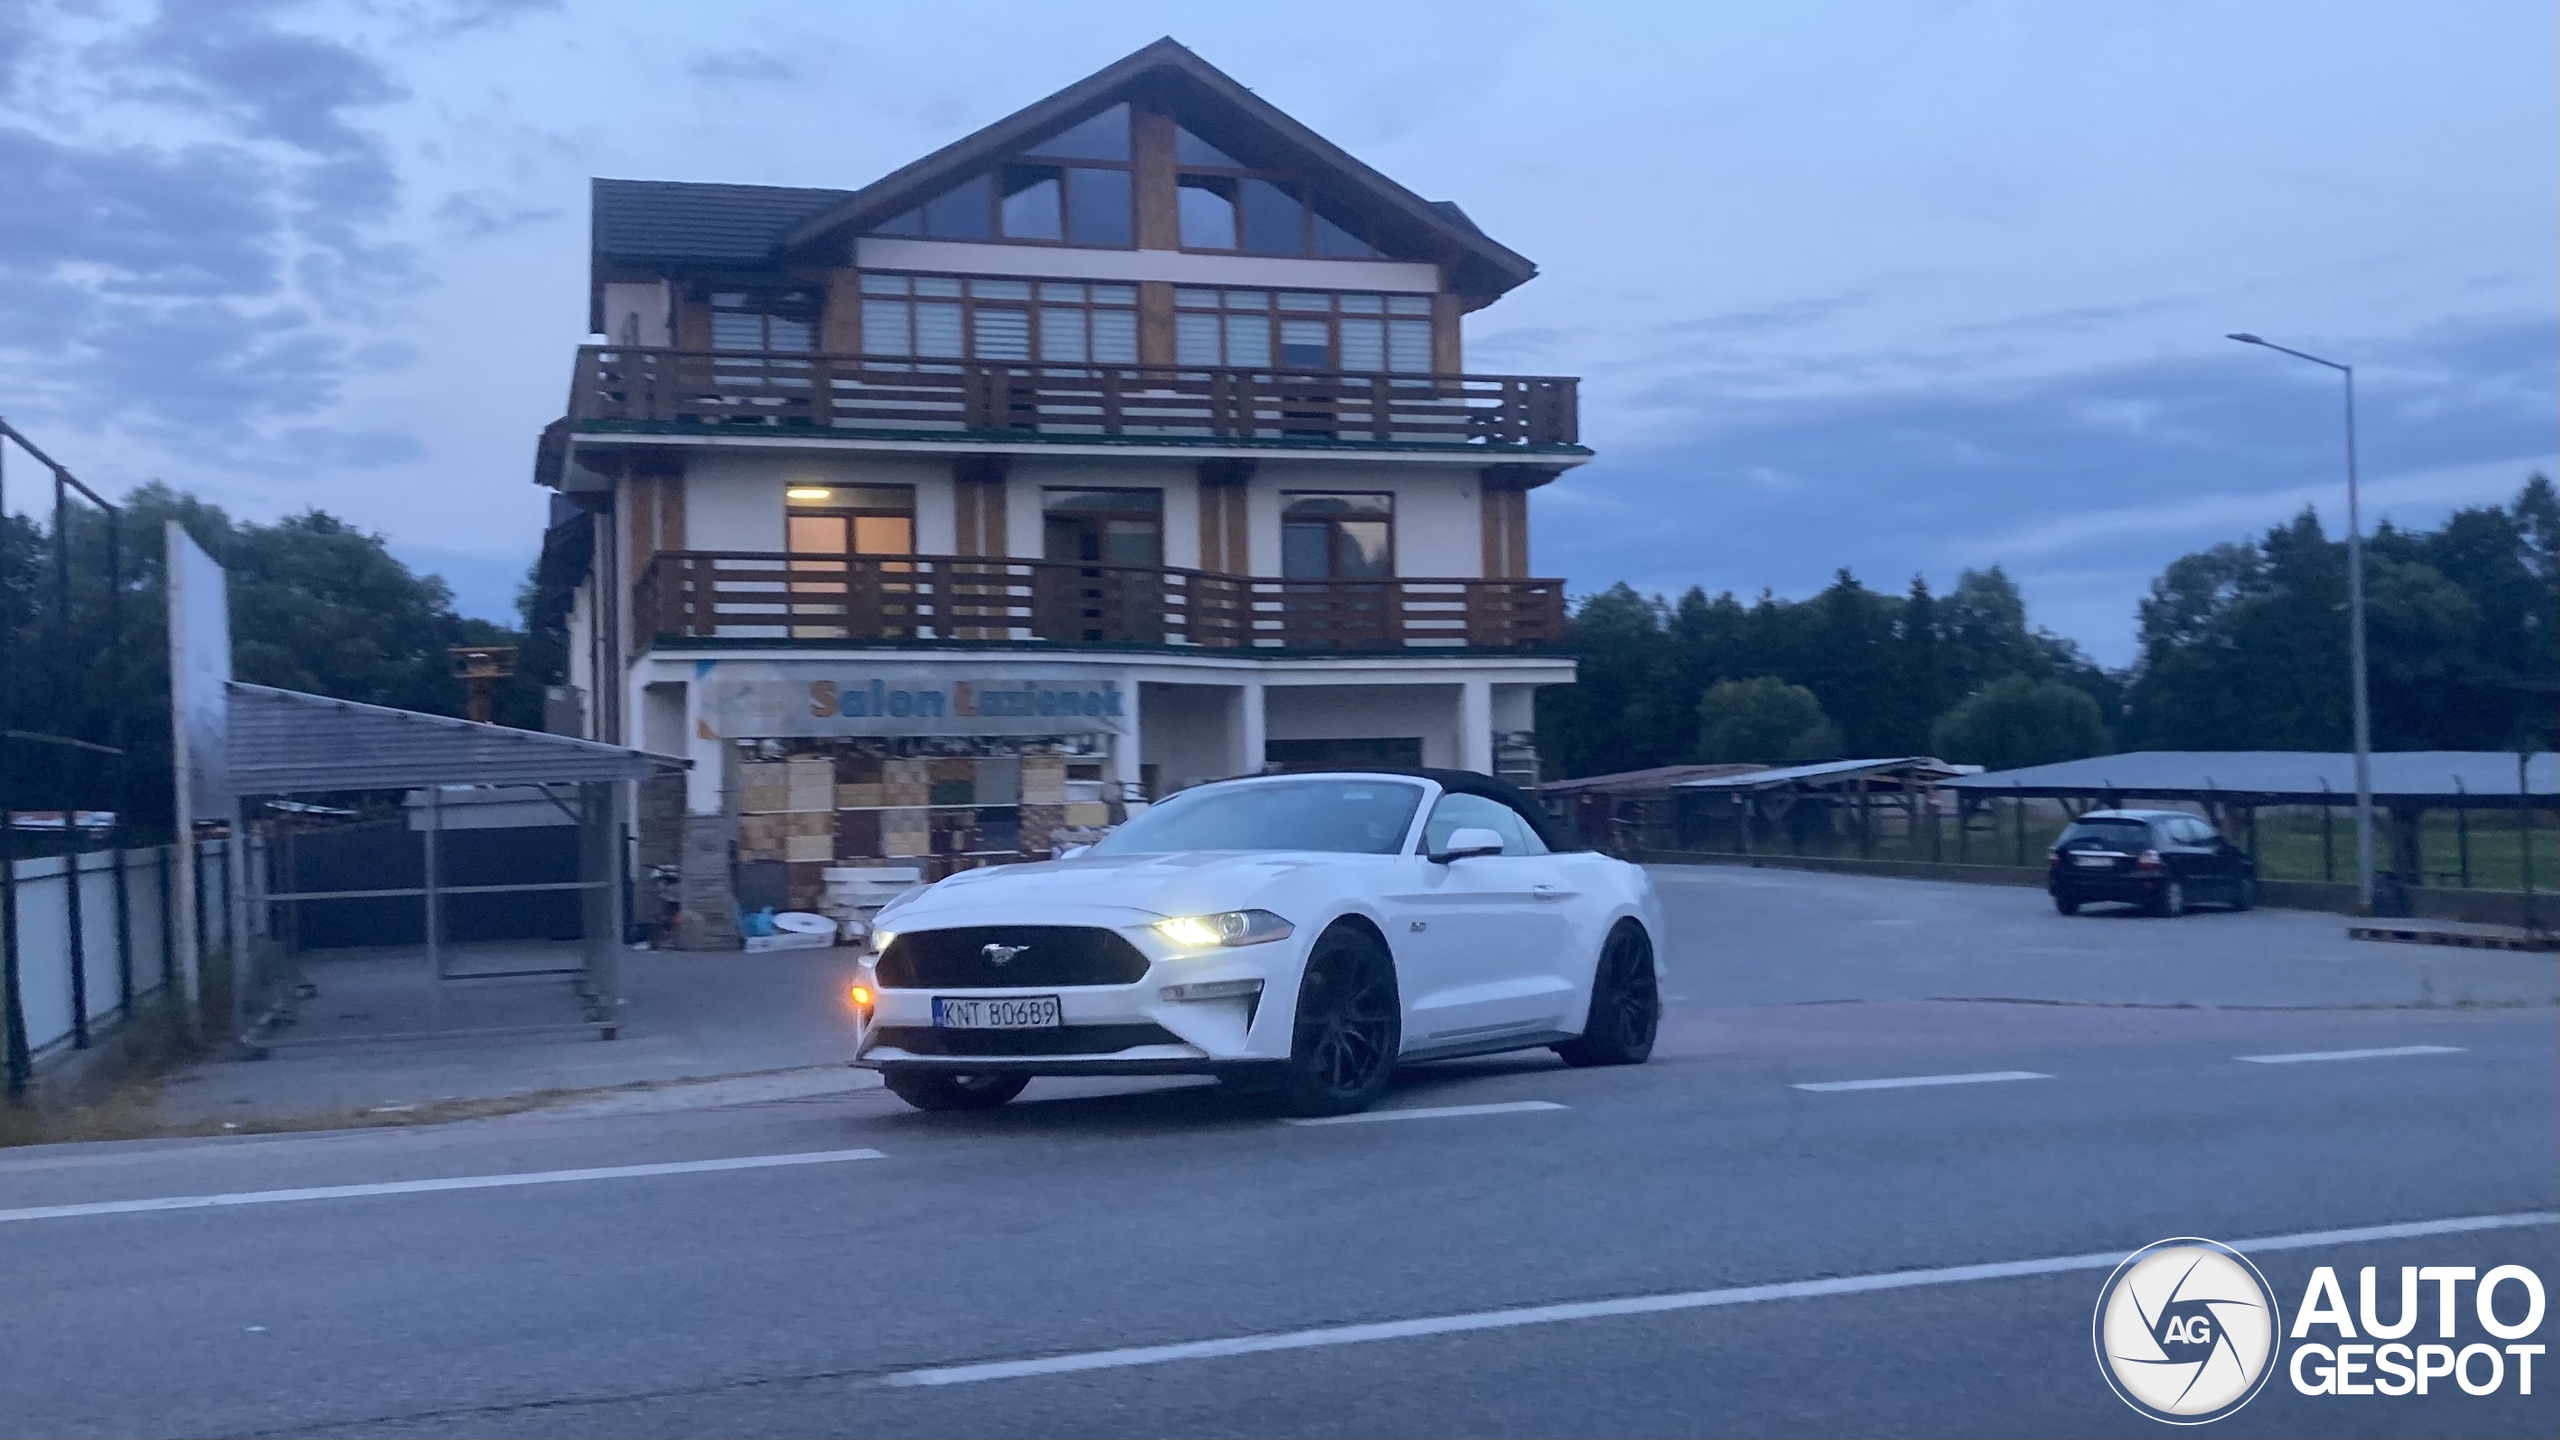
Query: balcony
x=694, y=596
x=858, y=396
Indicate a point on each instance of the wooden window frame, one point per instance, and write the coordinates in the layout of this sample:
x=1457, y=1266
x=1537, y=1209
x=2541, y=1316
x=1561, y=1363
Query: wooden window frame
x=1417, y=308
x=1333, y=538
x=993, y=175
x=1041, y=298
x=1304, y=185
x=808, y=300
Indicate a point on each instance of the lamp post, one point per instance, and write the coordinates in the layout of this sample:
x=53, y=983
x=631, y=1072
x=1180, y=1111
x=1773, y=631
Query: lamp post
x=2355, y=630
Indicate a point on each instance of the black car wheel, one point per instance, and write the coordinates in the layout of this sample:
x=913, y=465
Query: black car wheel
x=1626, y=1004
x=2169, y=899
x=1349, y=1026
x=936, y=1090
x=2243, y=893
x=2066, y=905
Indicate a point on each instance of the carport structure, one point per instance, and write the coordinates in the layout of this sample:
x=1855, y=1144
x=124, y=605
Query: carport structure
x=2504, y=789
x=1833, y=808
x=306, y=771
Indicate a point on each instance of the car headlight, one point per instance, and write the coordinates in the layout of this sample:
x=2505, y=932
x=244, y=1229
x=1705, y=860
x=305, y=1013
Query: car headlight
x=1227, y=927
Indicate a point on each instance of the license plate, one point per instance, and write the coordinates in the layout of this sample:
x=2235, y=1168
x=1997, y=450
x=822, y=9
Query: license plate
x=2105, y=860
x=1016, y=1012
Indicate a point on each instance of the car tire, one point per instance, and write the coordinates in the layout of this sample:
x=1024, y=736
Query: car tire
x=1626, y=1004
x=2171, y=899
x=1349, y=1024
x=2066, y=905
x=937, y=1090
x=2244, y=893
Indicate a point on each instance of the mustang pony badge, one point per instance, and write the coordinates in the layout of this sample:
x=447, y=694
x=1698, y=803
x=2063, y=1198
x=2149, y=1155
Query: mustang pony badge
x=1000, y=954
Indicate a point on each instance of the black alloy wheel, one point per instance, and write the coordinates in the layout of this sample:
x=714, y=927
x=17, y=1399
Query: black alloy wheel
x=2066, y=905
x=1626, y=1004
x=938, y=1090
x=2170, y=898
x=1349, y=1025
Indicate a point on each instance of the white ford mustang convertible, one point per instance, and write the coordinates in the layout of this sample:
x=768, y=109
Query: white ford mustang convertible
x=1298, y=935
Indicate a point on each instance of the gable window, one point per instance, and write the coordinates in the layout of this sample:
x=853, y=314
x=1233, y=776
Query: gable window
x=1205, y=206
x=1089, y=201
x=764, y=320
x=946, y=317
x=1303, y=330
x=1331, y=536
x=1226, y=204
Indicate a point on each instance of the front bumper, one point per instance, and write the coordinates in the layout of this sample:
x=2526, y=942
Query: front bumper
x=1148, y=1027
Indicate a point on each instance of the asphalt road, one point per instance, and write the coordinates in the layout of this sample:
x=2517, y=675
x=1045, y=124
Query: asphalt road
x=975, y=1274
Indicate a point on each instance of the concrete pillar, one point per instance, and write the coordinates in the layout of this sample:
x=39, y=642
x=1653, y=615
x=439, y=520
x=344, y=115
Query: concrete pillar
x=703, y=784
x=1247, y=730
x=1475, y=726
x=1125, y=749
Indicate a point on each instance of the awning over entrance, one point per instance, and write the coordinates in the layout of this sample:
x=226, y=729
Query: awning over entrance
x=283, y=742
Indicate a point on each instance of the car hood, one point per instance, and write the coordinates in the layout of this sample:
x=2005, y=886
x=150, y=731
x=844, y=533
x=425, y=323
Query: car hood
x=1190, y=882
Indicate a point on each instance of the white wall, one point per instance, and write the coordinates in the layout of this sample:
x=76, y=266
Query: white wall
x=1367, y=712
x=1185, y=732
x=733, y=499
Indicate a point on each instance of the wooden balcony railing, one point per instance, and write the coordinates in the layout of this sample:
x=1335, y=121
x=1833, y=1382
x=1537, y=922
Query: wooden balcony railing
x=730, y=595
x=859, y=394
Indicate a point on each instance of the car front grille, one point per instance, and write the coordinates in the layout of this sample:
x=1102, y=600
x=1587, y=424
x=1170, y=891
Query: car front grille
x=1041, y=955
x=1066, y=1040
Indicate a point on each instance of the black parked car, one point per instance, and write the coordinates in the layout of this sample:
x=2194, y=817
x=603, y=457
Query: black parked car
x=2161, y=860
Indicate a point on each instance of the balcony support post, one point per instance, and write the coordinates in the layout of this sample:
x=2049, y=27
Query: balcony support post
x=1475, y=726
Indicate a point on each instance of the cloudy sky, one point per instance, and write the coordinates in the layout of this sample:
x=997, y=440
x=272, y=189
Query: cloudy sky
x=1902, y=287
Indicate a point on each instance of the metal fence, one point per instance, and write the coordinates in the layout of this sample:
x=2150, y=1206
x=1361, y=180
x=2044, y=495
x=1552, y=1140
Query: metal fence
x=90, y=940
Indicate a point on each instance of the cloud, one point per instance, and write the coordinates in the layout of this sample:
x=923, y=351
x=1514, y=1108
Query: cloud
x=744, y=65
x=476, y=215
x=196, y=225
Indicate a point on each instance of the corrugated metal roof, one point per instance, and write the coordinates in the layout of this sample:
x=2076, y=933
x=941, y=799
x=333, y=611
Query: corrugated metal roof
x=1927, y=767
x=284, y=742
x=2300, y=776
x=676, y=220
x=1633, y=781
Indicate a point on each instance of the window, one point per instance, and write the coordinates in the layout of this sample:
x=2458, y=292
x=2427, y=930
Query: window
x=1353, y=817
x=1337, y=537
x=1103, y=137
x=1475, y=812
x=1190, y=149
x=1088, y=202
x=765, y=320
x=1313, y=330
x=942, y=317
x=1205, y=206
x=1034, y=206
x=1273, y=221
x=854, y=520
x=1108, y=527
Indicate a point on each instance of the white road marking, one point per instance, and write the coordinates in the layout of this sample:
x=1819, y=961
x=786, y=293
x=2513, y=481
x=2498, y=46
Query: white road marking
x=1431, y=1112
x=2297, y=1059
x=1984, y=1077
x=1651, y=1305
x=420, y=1187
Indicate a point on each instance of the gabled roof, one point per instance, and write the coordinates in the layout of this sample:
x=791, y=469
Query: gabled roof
x=641, y=222
x=1168, y=71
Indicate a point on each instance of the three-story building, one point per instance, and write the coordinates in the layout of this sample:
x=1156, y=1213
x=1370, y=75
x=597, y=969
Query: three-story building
x=1123, y=444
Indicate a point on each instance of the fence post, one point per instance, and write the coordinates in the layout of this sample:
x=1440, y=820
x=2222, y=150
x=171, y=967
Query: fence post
x=168, y=923
x=2018, y=826
x=13, y=1010
x=73, y=924
x=2462, y=831
x=124, y=927
x=2328, y=836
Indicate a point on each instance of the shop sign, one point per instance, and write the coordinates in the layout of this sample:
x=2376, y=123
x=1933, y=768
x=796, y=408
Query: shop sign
x=758, y=701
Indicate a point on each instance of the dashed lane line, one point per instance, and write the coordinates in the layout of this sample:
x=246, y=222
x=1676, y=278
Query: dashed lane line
x=1429, y=1112
x=1906, y=1082
x=2385, y=1052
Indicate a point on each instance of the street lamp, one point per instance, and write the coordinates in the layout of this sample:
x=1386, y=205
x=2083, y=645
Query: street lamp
x=2355, y=630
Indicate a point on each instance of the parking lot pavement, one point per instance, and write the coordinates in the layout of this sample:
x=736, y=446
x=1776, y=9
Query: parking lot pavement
x=1747, y=936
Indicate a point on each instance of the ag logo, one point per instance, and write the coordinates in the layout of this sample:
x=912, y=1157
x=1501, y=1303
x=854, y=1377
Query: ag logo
x=2186, y=1330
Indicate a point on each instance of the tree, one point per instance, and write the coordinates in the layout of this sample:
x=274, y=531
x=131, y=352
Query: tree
x=316, y=605
x=1764, y=719
x=2021, y=721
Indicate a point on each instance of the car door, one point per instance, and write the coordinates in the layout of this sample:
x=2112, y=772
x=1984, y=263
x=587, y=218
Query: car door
x=1483, y=955
x=2196, y=858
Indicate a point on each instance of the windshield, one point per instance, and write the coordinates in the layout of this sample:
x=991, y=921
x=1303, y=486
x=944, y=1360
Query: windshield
x=1349, y=817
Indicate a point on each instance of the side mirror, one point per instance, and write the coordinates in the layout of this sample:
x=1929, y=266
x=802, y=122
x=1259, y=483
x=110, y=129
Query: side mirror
x=1470, y=840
